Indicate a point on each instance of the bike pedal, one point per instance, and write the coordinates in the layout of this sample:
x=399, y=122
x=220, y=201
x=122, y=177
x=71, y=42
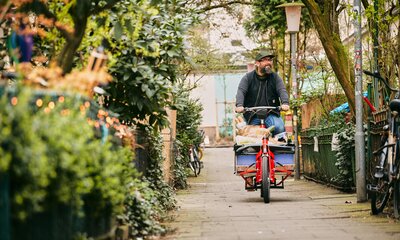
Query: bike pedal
x=372, y=188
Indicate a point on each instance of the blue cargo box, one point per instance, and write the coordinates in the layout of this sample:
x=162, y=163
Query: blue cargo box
x=245, y=156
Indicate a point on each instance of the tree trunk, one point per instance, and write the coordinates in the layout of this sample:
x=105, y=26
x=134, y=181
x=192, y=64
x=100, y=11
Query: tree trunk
x=397, y=60
x=334, y=49
x=65, y=60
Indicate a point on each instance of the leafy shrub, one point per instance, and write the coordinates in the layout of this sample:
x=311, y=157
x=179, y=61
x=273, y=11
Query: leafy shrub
x=345, y=157
x=187, y=133
x=140, y=214
x=148, y=47
x=23, y=156
x=149, y=198
x=53, y=157
x=154, y=174
x=180, y=165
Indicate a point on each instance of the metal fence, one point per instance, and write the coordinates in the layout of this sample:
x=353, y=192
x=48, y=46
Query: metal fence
x=319, y=160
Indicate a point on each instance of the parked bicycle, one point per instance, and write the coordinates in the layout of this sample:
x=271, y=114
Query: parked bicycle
x=258, y=163
x=194, y=161
x=386, y=182
x=196, y=154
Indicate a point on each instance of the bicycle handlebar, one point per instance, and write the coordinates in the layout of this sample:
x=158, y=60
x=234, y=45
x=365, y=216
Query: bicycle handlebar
x=253, y=109
x=385, y=81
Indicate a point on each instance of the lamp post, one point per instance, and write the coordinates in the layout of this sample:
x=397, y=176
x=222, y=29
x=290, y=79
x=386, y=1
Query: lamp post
x=359, y=134
x=293, y=14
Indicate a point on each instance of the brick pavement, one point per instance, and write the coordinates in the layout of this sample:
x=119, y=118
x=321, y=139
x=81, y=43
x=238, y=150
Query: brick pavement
x=216, y=206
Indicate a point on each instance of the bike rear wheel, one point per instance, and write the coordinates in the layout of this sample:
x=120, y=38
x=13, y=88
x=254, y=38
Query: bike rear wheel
x=396, y=199
x=265, y=184
x=381, y=192
x=380, y=197
x=196, y=160
x=192, y=166
x=198, y=165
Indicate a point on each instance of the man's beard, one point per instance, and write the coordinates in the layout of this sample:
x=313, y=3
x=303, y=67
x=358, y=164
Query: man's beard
x=266, y=70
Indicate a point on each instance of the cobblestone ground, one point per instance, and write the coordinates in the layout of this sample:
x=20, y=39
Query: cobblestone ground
x=216, y=206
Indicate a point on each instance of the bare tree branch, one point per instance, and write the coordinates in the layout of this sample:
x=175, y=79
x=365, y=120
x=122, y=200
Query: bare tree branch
x=223, y=5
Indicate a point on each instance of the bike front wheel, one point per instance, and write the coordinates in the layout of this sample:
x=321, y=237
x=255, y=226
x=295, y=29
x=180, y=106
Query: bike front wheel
x=396, y=199
x=380, y=196
x=197, y=165
x=265, y=184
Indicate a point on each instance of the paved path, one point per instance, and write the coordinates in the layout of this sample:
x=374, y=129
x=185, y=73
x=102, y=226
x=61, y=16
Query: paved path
x=216, y=206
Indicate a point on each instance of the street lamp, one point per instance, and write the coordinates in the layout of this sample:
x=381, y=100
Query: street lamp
x=293, y=14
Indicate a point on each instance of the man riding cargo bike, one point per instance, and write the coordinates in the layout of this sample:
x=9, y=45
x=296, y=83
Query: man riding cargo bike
x=261, y=96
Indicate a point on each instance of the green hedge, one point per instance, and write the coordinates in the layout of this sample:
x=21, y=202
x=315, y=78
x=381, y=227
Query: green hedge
x=61, y=176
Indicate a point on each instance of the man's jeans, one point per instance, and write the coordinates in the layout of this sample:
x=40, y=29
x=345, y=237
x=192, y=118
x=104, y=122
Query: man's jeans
x=271, y=119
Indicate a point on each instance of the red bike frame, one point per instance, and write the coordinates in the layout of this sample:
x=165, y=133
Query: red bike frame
x=266, y=151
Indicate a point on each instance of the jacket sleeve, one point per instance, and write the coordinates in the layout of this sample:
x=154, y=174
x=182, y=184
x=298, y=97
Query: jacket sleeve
x=242, y=90
x=281, y=89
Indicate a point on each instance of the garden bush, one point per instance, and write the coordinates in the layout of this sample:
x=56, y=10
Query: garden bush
x=187, y=133
x=52, y=157
x=150, y=197
x=345, y=157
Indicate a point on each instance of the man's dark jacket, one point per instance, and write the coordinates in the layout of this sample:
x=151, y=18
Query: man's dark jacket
x=249, y=91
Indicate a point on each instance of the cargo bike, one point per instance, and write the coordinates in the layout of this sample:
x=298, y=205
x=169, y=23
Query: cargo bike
x=260, y=164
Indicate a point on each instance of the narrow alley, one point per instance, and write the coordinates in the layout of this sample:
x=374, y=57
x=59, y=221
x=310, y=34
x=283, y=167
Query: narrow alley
x=216, y=206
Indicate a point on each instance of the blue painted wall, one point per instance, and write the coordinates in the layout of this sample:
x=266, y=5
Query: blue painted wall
x=226, y=86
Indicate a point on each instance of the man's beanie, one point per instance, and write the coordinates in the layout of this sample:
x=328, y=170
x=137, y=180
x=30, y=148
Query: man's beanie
x=264, y=53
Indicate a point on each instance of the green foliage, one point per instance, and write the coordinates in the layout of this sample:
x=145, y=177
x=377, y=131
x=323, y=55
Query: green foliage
x=319, y=84
x=51, y=161
x=181, y=163
x=148, y=49
x=23, y=156
x=345, y=157
x=72, y=18
x=269, y=20
x=188, y=116
x=187, y=125
x=335, y=123
x=140, y=210
x=151, y=197
x=154, y=174
x=382, y=18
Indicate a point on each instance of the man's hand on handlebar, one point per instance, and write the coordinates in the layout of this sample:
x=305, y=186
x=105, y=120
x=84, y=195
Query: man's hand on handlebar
x=239, y=109
x=285, y=107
